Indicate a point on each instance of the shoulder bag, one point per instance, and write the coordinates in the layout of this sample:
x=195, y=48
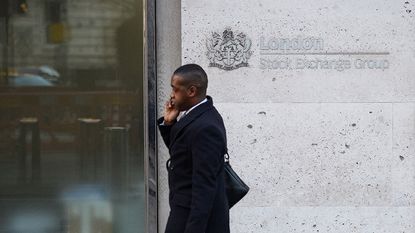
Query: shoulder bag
x=236, y=189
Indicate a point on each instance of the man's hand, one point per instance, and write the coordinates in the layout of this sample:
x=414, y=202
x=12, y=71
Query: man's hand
x=170, y=113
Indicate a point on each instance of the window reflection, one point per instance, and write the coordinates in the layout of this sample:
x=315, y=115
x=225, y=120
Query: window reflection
x=71, y=114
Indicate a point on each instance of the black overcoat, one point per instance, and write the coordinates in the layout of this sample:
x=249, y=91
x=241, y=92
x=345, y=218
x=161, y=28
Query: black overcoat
x=197, y=198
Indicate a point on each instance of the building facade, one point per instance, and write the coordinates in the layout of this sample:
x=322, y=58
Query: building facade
x=318, y=98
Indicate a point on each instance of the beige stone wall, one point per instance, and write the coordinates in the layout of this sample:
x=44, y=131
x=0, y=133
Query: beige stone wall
x=168, y=24
x=323, y=149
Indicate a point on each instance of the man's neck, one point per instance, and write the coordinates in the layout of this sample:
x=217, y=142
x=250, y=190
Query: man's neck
x=198, y=102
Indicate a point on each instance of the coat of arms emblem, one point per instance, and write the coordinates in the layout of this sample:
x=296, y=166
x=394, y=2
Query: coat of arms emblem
x=227, y=51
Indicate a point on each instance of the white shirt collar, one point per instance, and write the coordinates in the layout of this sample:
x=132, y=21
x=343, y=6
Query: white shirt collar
x=201, y=102
x=184, y=113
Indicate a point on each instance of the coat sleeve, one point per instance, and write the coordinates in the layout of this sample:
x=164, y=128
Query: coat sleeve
x=207, y=159
x=164, y=131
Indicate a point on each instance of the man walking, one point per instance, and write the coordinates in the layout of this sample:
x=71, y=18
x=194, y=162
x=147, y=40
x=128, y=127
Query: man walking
x=195, y=135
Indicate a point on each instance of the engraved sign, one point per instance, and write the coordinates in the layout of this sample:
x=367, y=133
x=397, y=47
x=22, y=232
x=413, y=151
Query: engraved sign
x=227, y=51
x=309, y=53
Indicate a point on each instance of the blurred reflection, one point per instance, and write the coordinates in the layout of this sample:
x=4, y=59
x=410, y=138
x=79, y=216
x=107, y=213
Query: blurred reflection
x=33, y=218
x=27, y=80
x=71, y=114
x=46, y=72
x=88, y=209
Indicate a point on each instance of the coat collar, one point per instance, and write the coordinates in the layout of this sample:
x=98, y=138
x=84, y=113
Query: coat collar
x=190, y=117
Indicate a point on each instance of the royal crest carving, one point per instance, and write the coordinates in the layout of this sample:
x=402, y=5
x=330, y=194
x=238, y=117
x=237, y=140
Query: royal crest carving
x=227, y=51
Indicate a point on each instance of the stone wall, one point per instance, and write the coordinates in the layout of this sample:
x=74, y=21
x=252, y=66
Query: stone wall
x=324, y=136
x=168, y=26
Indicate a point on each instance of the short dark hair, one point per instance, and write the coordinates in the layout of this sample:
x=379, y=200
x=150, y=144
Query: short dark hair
x=193, y=74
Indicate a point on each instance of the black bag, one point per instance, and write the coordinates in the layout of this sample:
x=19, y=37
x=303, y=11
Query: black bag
x=236, y=189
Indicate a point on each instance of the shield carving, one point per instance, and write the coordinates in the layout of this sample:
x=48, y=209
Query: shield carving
x=227, y=51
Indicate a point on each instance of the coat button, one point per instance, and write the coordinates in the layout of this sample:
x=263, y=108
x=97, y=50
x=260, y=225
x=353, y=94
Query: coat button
x=169, y=166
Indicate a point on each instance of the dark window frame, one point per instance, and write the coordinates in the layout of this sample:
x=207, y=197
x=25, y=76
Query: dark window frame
x=150, y=116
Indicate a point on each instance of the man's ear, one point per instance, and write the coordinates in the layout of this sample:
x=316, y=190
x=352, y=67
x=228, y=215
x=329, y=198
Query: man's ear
x=192, y=91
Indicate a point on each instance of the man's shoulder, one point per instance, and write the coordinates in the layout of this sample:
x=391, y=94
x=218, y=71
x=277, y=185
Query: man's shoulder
x=211, y=114
x=210, y=120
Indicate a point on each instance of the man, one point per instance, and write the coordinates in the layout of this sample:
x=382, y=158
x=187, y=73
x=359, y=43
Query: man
x=194, y=132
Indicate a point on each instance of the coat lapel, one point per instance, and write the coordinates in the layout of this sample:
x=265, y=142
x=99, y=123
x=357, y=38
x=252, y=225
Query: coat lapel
x=189, y=118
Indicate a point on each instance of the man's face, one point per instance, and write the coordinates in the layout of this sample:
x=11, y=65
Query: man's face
x=179, y=94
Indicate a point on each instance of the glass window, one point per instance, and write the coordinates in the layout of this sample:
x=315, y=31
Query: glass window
x=71, y=116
